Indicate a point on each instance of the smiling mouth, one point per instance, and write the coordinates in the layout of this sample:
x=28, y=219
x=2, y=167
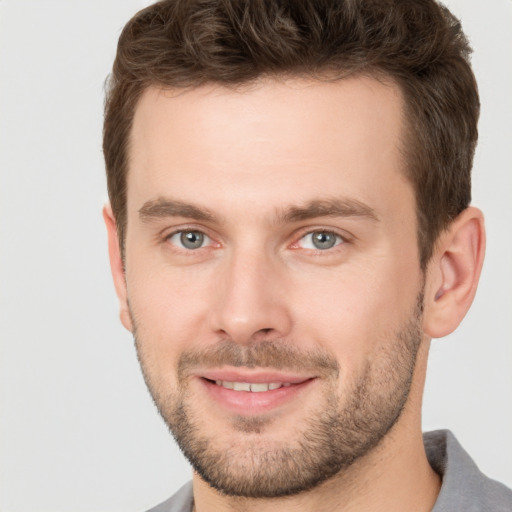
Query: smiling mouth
x=254, y=387
x=257, y=394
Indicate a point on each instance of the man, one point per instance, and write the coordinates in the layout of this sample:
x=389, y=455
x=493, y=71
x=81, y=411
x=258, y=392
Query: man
x=289, y=227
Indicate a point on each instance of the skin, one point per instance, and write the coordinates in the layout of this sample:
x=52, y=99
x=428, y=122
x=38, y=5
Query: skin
x=243, y=159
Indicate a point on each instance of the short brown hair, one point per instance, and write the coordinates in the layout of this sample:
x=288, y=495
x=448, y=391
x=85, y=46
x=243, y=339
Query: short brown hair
x=419, y=44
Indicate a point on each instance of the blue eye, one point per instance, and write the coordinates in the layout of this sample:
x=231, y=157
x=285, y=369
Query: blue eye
x=320, y=240
x=189, y=239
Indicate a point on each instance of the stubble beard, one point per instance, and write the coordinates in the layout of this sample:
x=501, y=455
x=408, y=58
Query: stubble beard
x=336, y=434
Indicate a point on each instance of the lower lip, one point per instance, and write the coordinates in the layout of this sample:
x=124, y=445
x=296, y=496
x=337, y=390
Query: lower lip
x=252, y=403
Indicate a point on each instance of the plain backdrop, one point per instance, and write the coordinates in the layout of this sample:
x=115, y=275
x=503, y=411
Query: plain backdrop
x=78, y=430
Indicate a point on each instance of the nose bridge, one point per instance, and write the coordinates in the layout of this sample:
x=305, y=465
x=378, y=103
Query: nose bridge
x=250, y=301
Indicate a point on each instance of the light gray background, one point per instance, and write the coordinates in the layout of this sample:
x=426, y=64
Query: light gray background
x=78, y=431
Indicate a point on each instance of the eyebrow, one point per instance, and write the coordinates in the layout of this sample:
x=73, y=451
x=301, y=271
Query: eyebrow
x=332, y=207
x=162, y=208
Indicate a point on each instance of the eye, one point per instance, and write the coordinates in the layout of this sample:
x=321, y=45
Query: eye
x=320, y=240
x=189, y=239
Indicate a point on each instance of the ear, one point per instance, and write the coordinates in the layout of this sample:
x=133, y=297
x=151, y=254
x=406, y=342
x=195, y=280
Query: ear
x=453, y=273
x=116, y=266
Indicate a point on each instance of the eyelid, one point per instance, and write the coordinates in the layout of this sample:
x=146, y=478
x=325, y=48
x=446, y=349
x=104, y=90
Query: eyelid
x=178, y=228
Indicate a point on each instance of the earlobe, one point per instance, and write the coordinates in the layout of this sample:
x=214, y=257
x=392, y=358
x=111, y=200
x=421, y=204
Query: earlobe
x=453, y=273
x=116, y=266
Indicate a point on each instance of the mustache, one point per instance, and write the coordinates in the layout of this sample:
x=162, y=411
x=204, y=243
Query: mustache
x=276, y=355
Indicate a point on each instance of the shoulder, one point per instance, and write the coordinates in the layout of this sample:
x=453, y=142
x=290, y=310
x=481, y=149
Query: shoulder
x=182, y=501
x=464, y=486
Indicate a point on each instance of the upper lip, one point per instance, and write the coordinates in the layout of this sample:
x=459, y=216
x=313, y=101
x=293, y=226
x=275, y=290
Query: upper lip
x=254, y=376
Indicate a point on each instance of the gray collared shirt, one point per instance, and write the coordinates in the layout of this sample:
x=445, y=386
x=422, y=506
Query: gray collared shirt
x=464, y=487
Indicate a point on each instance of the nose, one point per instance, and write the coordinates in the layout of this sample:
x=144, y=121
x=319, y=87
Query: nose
x=250, y=301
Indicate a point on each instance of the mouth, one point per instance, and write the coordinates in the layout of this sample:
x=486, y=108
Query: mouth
x=249, y=394
x=253, y=387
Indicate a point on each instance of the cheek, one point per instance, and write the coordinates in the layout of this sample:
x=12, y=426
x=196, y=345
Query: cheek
x=353, y=312
x=169, y=308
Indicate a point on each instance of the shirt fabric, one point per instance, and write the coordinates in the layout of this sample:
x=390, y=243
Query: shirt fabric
x=464, y=488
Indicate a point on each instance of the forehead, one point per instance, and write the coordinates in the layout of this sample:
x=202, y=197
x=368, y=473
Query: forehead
x=268, y=141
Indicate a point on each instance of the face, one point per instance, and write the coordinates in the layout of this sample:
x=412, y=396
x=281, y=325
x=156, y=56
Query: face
x=272, y=276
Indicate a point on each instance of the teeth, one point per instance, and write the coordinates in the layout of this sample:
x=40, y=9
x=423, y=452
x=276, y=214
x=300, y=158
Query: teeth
x=254, y=387
x=241, y=386
x=257, y=388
